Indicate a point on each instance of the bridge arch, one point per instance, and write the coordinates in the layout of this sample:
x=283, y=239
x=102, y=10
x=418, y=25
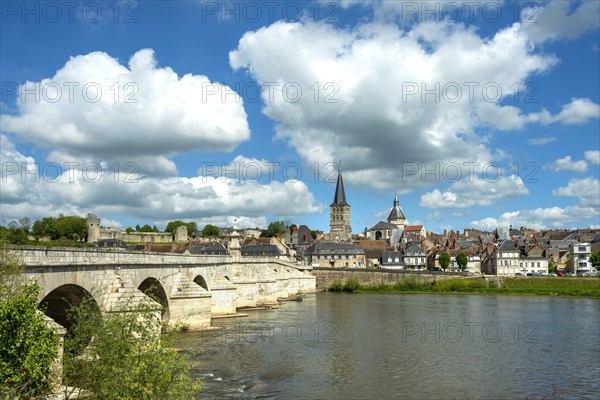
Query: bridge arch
x=59, y=302
x=154, y=289
x=60, y=305
x=199, y=280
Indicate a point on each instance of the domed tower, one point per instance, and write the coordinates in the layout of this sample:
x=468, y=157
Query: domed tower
x=340, y=229
x=396, y=216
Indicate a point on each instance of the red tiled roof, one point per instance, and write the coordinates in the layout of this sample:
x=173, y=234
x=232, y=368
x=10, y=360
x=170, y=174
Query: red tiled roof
x=414, y=228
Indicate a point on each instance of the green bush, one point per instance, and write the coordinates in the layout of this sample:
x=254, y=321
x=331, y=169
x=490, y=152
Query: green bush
x=28, y=347
x=352, y=284
x=411, y=283
x=336, y=286
x=127, y=359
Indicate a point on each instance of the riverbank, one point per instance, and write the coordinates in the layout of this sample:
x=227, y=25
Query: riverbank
x=534, y=286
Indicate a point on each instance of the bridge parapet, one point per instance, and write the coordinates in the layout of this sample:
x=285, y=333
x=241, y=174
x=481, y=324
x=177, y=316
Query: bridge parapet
x=48, y=256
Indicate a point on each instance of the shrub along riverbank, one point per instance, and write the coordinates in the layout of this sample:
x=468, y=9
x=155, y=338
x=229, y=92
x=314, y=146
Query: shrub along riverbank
x=536, y=286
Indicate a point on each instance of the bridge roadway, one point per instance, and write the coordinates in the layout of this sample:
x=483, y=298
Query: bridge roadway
x=186, y=289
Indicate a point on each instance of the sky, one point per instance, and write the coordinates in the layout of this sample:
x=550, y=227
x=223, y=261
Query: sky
x=477, y=114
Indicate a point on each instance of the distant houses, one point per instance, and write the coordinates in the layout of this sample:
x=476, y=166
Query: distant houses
x=387, y=245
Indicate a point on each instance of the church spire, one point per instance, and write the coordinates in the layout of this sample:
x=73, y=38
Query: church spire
x=340, y=194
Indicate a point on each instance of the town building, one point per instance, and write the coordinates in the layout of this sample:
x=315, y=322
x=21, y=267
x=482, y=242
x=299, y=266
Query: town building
x=516, y=256
x=415, y=258
x=335, y=255
x=392, y=260
x=373, y=251
x=505, y=260
x=392, y=231
x=579, y=262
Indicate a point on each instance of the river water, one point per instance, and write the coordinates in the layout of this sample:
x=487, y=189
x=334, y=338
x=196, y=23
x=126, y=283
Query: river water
x=397, y=346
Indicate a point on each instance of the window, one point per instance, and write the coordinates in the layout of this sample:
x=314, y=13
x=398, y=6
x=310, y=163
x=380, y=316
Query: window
x=582, y=248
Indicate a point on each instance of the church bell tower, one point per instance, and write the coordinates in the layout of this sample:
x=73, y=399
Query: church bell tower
x=340, y=229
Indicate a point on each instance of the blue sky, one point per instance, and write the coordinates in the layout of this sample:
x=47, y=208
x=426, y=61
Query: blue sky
x=476, y=114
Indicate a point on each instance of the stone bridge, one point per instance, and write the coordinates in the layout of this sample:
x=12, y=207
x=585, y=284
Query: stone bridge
x=187, y=289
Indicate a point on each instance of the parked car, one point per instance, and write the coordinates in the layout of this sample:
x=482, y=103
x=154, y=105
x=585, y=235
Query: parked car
x=519, y=274
x=560, y=274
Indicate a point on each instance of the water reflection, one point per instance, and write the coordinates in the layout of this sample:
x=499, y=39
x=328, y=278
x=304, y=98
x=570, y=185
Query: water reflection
x=366, y=346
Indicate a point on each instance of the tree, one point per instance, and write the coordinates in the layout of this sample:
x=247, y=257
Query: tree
x=129, y=230
x=14, y=234
x=192, y=227
x=25, y=223
x=210, y=231
x=126, y=359
x=462, y=260
x=145, y=228
x=595, y=260
x=68, y=227
x=444, y=260
x=173, y=225
x=28, y=347
x=276, y=227
x=551, y=267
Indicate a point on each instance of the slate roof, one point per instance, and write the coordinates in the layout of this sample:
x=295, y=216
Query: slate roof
x=393, y=255
x=396, y=211
x=113, y=242
x=413, y=249
x=209, y=248
x=383, y=225
x=328, y=248
x=508, y=245
x=340, y=195
x=261, y=250
x=397, y=235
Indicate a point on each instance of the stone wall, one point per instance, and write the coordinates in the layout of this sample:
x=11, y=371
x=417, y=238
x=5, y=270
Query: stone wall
x=326, y=276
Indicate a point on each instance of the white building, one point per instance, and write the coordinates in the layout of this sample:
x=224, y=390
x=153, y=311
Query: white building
x=530, y=265
x=415, y=258
x=580, y=258
x=509, y=259
x=505, y=260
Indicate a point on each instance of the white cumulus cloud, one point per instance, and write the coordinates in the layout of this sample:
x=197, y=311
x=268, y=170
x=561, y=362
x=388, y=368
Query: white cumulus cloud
x=35, y=192
x=96, y=107
x=364, y=98
x=586, y=189
x=475, y=192
x=567, y=164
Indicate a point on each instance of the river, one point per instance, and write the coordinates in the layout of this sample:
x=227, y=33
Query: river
x=392, y=346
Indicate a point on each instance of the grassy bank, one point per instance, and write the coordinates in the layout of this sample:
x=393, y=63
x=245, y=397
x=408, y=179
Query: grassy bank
x=535, y=286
